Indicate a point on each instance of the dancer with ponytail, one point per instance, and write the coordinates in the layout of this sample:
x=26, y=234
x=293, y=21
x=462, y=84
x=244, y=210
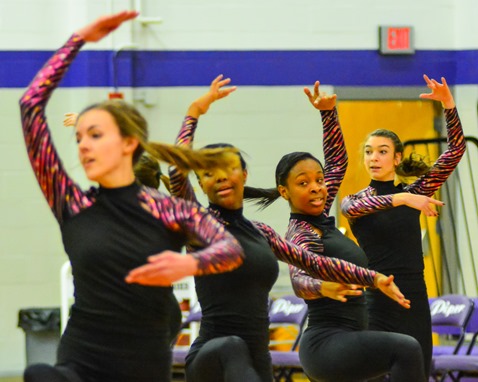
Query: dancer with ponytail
x=335, y=347
x=147, y=170
x=118, y=331
x=234, y=334
x=385, y=218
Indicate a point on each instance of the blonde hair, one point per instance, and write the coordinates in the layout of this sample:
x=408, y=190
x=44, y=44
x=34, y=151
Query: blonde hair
x=132, y=124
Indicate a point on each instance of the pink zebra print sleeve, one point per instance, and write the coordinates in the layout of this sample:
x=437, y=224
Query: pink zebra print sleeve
x=179, y=183
x=335, y=155
x=64, y=197
x=317, y=266
x=221, y=253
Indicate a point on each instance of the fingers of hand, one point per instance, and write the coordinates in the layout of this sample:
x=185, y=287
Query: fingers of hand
x=126, y=15
x=152, y=275
x=308, y=93
x=115, y=20
x=149, y=281
x=353, y=293
x=223, y=82
x=316, y=88
x=436, y=83
x=425, y=95
x=217, y=79
x=429, y=208
x=226, y=92
x=156, y=258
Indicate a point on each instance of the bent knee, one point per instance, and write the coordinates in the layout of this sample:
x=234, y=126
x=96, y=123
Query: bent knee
x=233, y=343
x=410, y=349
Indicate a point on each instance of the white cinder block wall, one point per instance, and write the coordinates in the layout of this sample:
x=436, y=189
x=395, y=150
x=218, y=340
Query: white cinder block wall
x=265, y=122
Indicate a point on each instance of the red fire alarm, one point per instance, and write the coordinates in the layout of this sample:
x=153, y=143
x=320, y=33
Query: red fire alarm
x=396, y=40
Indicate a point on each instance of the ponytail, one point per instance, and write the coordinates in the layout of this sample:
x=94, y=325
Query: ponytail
x=414, y=165
x=187, y=159
x=262, y=197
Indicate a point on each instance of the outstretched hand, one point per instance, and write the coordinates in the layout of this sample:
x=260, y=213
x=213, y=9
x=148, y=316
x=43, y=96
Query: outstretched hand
x=163, y=269
x=216, y=91
x=339, y=292
x=320, y=100
x=440, y=92
x=422, y=203
x=390, y=289
x=104, y=25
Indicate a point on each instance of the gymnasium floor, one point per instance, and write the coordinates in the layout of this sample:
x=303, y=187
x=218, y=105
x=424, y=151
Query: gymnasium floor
x=298, y=378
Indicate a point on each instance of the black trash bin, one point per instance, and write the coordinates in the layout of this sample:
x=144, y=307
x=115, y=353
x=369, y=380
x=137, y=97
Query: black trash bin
x=42, y=333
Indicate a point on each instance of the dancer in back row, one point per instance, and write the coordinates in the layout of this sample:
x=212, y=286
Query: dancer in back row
x=385, y=219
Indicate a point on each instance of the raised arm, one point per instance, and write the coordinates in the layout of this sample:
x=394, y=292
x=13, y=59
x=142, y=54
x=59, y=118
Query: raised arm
x=179, y=183
x=335, y=154
x=54, y=182
x=430, y=182
x=62, y=195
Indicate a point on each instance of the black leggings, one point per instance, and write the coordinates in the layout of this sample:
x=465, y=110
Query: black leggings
x=43, y=373
x=89, y=355
x=386, y=315
x=336, y=355
x=225, y=359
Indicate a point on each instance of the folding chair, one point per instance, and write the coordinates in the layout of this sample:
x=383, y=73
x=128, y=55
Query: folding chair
x=454, y=367
x=455, y=325
x=450, y=316
x=287, y=310
x=472, y=328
